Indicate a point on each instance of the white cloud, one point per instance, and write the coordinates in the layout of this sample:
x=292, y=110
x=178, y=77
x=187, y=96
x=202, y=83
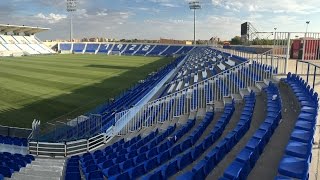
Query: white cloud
x=289, y=6
x=51, y=18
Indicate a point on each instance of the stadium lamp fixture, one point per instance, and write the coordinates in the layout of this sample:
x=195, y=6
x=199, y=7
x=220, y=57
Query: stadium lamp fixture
x=71, y=7
x=307, y=22
x=194, y=5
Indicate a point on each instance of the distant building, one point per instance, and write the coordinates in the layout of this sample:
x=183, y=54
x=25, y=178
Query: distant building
x=173, y=41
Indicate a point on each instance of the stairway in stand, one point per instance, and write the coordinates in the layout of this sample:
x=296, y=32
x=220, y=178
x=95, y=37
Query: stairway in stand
x=41, y=169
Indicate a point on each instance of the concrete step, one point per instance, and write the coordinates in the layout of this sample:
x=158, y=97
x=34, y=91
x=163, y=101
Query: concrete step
x=261, y=85
x=50, y=160
x=218, y=106
x=22, y=176
x=148, y=130
x=227, y=100
x=201, y=113
x=192, y=115
x=255, y=90
x=237, y=98
x=244, y=92
x=273, y=80
x=210, y=108
x=48, y=163
x=53, y=168
x=41, y=169
x=183, y=119
x=41, y=172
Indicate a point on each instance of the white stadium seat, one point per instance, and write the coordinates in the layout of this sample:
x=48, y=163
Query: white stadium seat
x=221, y=66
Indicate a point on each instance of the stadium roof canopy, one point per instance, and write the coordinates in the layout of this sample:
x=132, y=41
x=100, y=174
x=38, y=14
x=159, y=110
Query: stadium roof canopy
x=28, y=30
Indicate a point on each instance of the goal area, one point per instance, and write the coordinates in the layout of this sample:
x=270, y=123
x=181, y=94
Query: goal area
x=116, y=53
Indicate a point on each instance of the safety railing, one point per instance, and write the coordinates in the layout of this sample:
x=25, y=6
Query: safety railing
x=310, y=72
x=15, y=131
x=67, y=148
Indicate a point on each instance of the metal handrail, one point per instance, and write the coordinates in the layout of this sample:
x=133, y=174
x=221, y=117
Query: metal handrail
x=310, y=66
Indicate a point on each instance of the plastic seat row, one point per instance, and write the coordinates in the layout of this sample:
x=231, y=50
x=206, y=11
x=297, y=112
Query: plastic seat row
x=213, y=157
x=120, y=154
x=13, y=141
x=189, y=151
x=11, y=163
x=192, y=154
x=248, y=156
x=298, y=153
x=120, y=163
x=139, y=165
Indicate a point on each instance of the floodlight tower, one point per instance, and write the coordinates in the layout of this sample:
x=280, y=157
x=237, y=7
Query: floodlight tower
x=194, y=5
x=71, y=7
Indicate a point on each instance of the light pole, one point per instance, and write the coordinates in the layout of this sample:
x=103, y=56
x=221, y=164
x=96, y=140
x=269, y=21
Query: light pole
x=71, y=7
x=307, y=22
x=194, y=5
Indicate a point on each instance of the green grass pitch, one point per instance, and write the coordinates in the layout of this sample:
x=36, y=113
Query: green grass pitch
x=58, y=87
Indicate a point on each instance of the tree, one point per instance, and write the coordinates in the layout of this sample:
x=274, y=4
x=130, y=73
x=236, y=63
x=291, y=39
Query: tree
x=236, y=40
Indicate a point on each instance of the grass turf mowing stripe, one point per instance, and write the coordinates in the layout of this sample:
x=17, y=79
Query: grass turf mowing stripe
x=39, y=86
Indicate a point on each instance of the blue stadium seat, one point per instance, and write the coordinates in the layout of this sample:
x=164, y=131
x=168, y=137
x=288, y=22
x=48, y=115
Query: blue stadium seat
x=184, y=160
x=299, y=149
x=170, y=169
x=96, y=175
x=151, y=164
x=301, y=135
x=294, y=167
x=197, y=151
x=126, y=164
x=234, y=171
x=73, y=176
x=140, y=158
x=202, y=169
x=164, y=157
x=156, y=175
x=212, y=159
x=111, y=171
x=72, y=169
x=123, y=176
x=106, y=164
x=137, y=171
x=175, y=150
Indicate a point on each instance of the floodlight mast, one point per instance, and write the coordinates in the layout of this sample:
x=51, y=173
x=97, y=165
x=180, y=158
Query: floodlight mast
x=194, y=5
x=71, y=7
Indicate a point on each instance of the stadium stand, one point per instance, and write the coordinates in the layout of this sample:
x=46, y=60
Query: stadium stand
x=202, y=64
x=105, y=48
x=131, y=49
x=125, y=49
x=78, y=47
x=205, y=142
x=144, y=49
x=157, y=50
x=18, y=45
x=92, y=48
x=171, y=50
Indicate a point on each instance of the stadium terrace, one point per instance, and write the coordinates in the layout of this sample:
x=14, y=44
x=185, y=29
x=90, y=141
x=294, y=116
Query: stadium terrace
x=113, y=110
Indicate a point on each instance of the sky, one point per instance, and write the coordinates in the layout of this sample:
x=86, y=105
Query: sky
x=154, y=19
